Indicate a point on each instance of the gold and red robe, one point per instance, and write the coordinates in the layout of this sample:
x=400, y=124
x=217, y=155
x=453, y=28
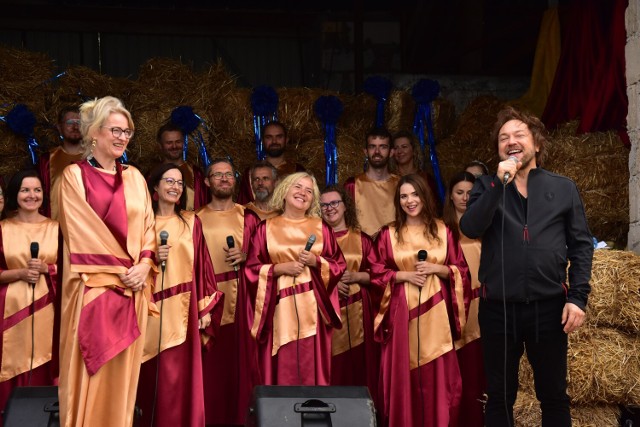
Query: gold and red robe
x=355, y=354
x=50, y=167
x=230, y=365
x=294, y=316
x=420, y=379
x=184, y=293
x=469, y=346
x=16, y=300
x=262, y=214
x=108, y=226
x=374, y=201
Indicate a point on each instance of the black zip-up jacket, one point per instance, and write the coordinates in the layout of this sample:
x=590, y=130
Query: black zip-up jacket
x=537, y=245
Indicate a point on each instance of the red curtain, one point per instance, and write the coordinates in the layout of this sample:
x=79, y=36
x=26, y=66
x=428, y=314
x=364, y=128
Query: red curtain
x=590, y=82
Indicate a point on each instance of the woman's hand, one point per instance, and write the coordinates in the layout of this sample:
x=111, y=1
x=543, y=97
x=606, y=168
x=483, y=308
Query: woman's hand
x=163, y=253
x=235, y=256
x=29, y=275
x=136, y=276
x=307, y=258
x=38, y=265
x=426, y=268
x=412, y=277
x=343, y=290
x=205, y=321
x=291, y=268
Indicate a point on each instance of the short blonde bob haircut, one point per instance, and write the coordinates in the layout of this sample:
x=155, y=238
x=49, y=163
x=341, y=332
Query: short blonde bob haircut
x=277, y=201
x=94, y=113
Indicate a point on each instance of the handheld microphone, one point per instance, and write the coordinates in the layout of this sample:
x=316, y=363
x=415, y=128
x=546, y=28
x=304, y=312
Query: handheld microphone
x=231, y=243
x=34, y=248
x=310, y=242
x=507, y=175
x=164, y=236
x=422, y=255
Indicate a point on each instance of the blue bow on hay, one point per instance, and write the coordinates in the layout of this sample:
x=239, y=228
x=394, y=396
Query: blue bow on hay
x=188, y=122
x=424, y=93
x=22, y=122
x=380, y=88
x=264, y=103
x=328, y=109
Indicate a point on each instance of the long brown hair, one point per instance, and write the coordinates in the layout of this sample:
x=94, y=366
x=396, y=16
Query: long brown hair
x=429, y=212
x=449, y=214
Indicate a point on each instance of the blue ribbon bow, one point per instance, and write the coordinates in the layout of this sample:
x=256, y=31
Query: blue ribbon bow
x=22, y=122
x=380, y=88
x=329, y=109
x=188, y=122
x=264, y=103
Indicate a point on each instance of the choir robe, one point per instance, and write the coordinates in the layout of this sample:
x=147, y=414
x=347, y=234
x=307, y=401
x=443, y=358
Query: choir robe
x=16, y=300
x=414, y=322
x=186, y=293
x=230, y=365
x=108, y=226
x=245, y=195
x=294, y=317
x=50, y=167
x=355, y=355
x=469, y=346
x=262, y=214
x=374, y=201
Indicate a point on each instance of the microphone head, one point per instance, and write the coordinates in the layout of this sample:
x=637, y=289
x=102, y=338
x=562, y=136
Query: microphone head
x=164, y=236
x=422, y=255
x=34, y=248
x=310, y=242
x=230, y=242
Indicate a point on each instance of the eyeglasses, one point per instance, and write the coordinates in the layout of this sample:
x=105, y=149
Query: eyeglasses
x=219, y=175
x=117, y=132
x=72, y=122
x=171, y=182
x=333, y=204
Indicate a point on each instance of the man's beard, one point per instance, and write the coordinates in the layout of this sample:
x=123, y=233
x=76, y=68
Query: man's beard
x=379, y=163
x=222, y=193
x=262, y=195
x=74, y=141
x=275, y=152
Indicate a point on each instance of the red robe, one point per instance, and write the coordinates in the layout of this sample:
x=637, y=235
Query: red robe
x=420, y=380
x=356, y=356
x=182, y=302
x=294, y=317
x=229, y=362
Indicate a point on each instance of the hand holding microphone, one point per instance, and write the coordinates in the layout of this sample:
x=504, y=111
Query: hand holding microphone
x=34, y=264
x=163, y=250
x=508, y=169
x=234, y=255
x=306, y=257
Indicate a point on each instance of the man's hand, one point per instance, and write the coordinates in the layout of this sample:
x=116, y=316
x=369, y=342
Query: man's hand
x=572, y=317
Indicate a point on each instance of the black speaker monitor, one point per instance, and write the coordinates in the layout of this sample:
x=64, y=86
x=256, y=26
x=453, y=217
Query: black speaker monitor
x=306, y=406
x=32, y=406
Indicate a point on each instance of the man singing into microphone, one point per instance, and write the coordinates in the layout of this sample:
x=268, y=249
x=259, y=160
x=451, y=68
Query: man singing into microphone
x=531, y=227
x=229, y=365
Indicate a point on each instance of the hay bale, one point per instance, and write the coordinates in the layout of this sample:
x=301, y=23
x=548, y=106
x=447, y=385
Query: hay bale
x=526, y=412
x=603, y=368
x=615, y=290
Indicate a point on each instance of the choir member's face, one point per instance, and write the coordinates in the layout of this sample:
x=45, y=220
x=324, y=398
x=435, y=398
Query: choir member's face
x=262, y=183
x=170, y=186
x=378, y=151
x=274, y=140
x=221, y=180
x=515, y=139
x=300, y=195
x=171, y=145
x=402, y=151
x=333, y=215
x=70, y=128
x=108, y=145
x=460, y=195
x=30, y=194
x=410, y=201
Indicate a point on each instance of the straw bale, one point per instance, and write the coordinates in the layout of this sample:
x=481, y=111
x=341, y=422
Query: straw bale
x=526, y=412
x=603, y=367
x=615, y=290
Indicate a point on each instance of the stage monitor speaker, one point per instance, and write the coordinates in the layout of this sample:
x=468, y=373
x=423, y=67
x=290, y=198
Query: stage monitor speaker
x=33, y=407
x=304, y=406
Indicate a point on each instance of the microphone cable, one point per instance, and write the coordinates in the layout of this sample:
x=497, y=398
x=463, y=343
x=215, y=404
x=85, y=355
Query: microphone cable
x=295, y=305
x=33, y=330
x=504, y=306
x=418, y=357
x=155, y=391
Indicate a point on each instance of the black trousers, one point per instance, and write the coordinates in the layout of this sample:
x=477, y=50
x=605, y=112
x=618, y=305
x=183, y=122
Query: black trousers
x=534, y=326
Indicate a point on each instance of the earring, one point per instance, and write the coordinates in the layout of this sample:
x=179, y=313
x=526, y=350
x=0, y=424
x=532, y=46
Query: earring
x=93, y=144
x=155, y=196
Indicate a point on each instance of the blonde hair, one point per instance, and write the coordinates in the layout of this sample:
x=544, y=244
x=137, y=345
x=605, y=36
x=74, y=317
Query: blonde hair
x=94, y=113
x=277, y=199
